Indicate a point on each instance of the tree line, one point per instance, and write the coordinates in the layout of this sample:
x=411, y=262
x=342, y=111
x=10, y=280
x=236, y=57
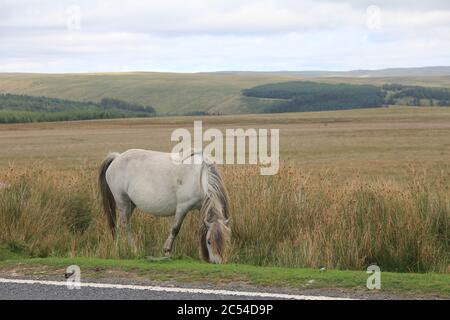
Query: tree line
x=23, y=108
x=295, y=96
x=416, y=95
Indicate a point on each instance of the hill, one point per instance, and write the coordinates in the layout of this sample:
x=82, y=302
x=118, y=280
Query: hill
x=168, y=93
x=176, y=94
x=365, y=73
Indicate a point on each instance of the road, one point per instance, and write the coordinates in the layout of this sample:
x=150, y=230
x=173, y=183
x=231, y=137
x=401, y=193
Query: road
x=24, y=289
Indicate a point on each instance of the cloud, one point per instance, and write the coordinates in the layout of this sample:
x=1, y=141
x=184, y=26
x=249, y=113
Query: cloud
x=205, y=35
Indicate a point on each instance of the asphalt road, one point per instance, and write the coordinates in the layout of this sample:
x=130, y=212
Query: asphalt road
x=24, y=289
x=13, y=291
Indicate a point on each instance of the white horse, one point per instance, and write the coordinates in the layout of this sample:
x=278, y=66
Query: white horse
x=167, y=185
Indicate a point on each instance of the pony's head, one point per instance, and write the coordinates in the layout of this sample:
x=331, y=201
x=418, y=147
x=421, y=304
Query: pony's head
x=217, y=241
x=215, y=232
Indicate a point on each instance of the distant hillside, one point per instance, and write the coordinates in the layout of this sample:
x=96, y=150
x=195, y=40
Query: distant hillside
x=178, y=93
x=390, y=72
x=168, y=93
x=22, y=108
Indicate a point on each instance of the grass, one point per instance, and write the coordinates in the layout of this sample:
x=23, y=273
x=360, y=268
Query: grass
x=189, y=271
x=293, y=219
x=372, y=143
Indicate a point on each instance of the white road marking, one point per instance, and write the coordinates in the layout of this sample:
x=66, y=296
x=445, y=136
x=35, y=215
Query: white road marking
x=176, y=290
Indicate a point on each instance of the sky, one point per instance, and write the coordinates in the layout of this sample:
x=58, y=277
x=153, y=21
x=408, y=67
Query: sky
x=207, y=35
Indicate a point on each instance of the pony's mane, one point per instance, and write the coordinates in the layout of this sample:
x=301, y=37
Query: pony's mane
x=215, y=206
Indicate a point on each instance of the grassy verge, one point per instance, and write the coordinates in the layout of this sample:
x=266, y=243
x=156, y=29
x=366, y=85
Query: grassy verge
x=296, y=219
x=184, y=270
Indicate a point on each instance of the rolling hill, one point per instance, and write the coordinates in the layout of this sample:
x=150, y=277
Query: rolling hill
x=437, y=71
x=168, y=93
x=180, y=93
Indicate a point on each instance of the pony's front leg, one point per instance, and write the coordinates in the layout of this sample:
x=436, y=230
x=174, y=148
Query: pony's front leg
x=179, y=218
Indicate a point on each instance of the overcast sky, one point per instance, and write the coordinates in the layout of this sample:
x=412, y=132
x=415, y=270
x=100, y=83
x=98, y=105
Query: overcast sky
x=207, y=35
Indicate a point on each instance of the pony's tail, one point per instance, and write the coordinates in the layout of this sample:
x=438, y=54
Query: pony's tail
x=215, y=203
x=109, y=204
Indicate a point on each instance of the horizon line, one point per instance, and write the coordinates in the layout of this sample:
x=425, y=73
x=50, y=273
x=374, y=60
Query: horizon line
x=232, y=71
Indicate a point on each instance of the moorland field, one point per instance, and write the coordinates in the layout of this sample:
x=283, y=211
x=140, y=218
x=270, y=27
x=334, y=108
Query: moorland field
x=355, y=187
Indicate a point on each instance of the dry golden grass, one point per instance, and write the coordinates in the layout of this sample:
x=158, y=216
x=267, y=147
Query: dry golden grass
x=296, y=218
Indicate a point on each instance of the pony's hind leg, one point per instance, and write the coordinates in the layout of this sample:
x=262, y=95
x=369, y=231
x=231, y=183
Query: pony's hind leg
x=125, y=210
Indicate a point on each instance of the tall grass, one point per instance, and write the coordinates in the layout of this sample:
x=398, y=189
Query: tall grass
x=295, y=219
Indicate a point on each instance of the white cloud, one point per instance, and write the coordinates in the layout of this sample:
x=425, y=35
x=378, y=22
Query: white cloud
x=204, y=35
